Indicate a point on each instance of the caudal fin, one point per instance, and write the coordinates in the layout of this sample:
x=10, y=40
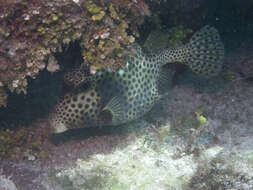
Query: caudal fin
x=205, y=52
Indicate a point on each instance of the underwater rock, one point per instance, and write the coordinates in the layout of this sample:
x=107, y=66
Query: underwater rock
x=6, y=183
x=39, y=29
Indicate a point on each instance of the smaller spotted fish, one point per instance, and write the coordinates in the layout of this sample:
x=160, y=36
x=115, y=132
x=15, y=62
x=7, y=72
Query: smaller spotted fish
x=76, y=77
x=123, y=96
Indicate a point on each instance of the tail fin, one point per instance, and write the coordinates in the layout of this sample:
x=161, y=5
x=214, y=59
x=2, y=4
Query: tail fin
x=206, y=52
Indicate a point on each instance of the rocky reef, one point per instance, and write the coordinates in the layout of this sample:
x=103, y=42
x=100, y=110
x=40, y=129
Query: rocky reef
x=32, y=32
x=199, y=137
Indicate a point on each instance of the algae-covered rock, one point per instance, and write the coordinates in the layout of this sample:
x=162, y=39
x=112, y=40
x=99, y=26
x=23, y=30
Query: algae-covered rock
x=40, y=29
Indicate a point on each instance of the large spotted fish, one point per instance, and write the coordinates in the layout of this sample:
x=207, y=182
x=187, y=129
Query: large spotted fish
x=128, y=94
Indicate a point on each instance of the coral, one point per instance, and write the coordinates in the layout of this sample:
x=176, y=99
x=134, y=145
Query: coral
x=36, y=32
x=32, y=32
x=107, y=39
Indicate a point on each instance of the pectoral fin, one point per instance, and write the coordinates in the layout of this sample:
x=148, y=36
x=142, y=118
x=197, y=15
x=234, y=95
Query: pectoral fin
x=113, y=111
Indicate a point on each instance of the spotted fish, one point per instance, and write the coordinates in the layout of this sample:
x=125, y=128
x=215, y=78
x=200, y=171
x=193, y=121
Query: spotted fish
x=77, y=108
x=128, y=94
x=141, y=82
x=76, y=77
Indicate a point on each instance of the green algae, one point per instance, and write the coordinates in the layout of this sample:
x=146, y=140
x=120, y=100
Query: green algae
x=92, y=7
x=177, y=34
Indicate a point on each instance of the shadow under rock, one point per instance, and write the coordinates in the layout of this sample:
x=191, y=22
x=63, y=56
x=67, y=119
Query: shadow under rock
x=204, y=85
x=85, y=133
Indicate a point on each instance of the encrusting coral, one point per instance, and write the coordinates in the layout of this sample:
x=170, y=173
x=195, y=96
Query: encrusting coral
x=31, y=32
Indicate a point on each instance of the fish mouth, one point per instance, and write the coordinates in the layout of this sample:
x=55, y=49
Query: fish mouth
x=105, y=117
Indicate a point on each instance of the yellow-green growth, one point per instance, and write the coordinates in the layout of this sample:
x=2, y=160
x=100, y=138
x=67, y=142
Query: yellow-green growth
x=98, y=16
x=177, y=35
x=41, y=30
x=229, y=76
x=54, y=17
x=92, y=7
x=113, y=13
x=201, y=119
